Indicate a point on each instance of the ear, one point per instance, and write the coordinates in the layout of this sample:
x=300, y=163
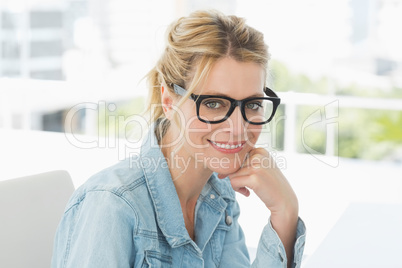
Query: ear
x=167, y=101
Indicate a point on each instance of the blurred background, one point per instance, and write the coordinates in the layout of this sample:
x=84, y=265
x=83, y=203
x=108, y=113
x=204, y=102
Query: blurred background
x=337, y=66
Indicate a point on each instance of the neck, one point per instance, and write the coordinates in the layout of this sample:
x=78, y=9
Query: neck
x=188, y=175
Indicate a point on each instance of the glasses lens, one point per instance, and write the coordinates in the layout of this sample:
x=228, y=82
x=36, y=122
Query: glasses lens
x=213, y=109
x=258, y=110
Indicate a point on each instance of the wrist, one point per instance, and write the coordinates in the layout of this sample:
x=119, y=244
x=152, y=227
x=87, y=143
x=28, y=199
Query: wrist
x=287, y=214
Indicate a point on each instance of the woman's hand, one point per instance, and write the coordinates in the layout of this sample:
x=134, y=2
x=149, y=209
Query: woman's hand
x=261, y=174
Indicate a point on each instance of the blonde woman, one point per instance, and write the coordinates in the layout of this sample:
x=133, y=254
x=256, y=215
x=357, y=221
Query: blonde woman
x=174, y=205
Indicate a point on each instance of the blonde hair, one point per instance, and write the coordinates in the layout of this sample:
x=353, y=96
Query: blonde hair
x=194, y=44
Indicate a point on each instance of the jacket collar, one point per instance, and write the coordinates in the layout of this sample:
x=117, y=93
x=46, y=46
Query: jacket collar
x=163, y=192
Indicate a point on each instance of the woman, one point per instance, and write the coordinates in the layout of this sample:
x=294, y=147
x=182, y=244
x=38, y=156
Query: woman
x=174, y=205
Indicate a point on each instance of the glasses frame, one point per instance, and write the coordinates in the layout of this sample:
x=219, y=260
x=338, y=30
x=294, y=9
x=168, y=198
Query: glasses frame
x=233, y=104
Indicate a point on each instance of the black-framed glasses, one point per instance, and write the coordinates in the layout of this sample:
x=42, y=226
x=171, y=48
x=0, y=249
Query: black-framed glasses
x=213, y=109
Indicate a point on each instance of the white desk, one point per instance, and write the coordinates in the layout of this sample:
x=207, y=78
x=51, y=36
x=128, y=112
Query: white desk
x=24, y=152
x=366, y=235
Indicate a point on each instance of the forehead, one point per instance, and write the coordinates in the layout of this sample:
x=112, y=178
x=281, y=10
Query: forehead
x=234, y=78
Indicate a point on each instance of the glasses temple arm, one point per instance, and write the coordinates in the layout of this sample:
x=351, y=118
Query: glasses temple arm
x=179, y=90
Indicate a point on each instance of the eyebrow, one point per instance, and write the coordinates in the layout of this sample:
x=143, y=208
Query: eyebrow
x=224, y=95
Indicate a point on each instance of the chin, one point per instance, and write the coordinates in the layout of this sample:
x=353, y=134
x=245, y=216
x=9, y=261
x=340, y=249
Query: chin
x=224, y=161
x=225, y=165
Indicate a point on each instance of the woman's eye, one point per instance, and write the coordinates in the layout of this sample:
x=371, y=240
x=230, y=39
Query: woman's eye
x=213, y=104
x=253, y=105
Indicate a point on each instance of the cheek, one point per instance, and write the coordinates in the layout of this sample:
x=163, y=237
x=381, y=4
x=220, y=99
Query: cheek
x=195, y=129
x=254, y=131
x=186, y=114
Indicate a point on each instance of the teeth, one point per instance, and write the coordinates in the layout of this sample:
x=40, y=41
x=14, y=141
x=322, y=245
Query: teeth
x=226, y=146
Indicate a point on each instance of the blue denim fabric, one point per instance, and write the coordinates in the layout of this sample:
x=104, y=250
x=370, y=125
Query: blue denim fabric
x=129, y=215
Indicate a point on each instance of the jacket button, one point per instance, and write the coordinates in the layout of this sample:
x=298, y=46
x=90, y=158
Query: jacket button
x=228, y=220
x=212, y=196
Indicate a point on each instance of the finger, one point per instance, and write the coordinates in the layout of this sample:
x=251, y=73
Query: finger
x=222, y=176
x=241, y=172
x=259, y=160
x=247, y=158
x=248, y=181
x=258, y=150
x=252, y=159
x=244, y=191
x=246, y=171
x=255, y=152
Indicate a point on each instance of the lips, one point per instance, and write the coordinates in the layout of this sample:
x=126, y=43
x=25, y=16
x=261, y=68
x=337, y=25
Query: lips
x=227, y=147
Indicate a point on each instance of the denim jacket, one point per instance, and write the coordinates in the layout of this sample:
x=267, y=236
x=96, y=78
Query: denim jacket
x=129, y=215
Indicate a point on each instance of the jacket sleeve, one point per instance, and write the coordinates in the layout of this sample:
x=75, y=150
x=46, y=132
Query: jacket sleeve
x=270, y=251
x=96, y=231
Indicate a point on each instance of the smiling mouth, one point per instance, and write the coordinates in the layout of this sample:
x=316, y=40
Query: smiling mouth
x=227, y=146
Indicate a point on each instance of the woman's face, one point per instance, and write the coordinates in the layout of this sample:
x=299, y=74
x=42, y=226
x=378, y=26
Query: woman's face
x=204, y=142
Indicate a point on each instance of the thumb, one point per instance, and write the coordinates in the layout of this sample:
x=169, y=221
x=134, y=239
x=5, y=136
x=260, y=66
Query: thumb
x=252, y=152
x=257, y=150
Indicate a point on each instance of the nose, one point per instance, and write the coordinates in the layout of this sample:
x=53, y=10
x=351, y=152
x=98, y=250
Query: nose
x=236, y=123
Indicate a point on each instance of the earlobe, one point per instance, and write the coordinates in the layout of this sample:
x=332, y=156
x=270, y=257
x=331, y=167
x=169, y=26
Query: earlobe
x=167, y=101
x=162, y=100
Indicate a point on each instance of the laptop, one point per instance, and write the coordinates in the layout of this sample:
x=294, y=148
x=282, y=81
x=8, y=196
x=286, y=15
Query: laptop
x=30, y=210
